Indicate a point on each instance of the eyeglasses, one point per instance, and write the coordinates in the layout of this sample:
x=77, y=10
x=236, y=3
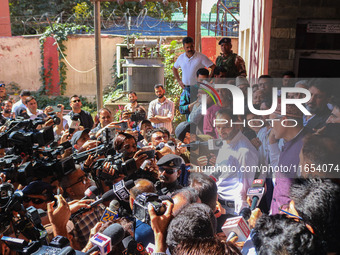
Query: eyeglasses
x=159, y=137
x=168, y=170
x=34, y=200
x=76, y=101
x=82, y=179
x=2, y=85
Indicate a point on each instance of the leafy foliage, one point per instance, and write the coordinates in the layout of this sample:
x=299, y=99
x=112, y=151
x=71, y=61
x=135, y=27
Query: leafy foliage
x=59, y=32
x=214, y=8
x=173, y=90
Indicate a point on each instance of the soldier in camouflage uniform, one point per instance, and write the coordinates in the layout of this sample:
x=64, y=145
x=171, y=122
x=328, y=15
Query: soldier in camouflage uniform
x=230, y=61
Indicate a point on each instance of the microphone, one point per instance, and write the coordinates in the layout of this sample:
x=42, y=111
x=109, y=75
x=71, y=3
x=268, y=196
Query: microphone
x=75, y=122
x=169, y=144
x=91, y=193
x=213, y=144
x=238, y=226
x=109, y=195
x=114, y=205
x=103, y=242
x=120, y=192
x=111, y=212
x=255, y=192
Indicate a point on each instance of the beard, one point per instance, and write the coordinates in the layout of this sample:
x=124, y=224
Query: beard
x=312, y=109
x=160, y=96
x=132, y=101
x=7, y=111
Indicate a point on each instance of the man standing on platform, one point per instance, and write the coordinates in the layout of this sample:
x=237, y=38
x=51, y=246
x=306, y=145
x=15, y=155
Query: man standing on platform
x=190, y=62
x=161, y=110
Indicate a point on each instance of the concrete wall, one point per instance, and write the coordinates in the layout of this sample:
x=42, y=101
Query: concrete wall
x=20, y=61
x=283, y=29
x=81, y=55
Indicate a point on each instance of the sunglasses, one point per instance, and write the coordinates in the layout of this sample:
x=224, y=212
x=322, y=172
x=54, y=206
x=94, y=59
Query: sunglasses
x=167, y=170
x=2, y=85
x=34, y=200
x=76, y=101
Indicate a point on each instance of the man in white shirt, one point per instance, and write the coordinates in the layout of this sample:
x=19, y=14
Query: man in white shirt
x=161, y=110
x=190, y=62
x=231, y=172
x=32, y=108
x=21, y=103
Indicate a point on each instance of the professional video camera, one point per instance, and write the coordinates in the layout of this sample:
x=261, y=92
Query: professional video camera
x=13, y=214
x=126, y=168
x=23, y=138
x=58, y=245
x=140, y=206
x=137, y=115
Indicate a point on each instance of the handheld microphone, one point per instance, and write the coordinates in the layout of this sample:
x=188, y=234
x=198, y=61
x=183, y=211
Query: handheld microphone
x=213, y=144
x=75, y=123
x=109, y=195
x=111, y=212
x=169, y=144
x=103, y=242
x=255, y=192
x=91, y=193
x=238, y=226
x=120, y=192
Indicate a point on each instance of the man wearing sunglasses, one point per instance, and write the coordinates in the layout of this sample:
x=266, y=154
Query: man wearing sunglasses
x=168, y=172
x=37, y=194
x=85, y=117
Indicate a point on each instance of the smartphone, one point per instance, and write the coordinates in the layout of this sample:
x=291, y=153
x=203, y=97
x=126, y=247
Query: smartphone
x=123, y=126
x=56, y=108
x=149, y=153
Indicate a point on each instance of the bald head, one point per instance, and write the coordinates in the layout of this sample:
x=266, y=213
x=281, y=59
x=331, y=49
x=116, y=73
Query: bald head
x=141, y=186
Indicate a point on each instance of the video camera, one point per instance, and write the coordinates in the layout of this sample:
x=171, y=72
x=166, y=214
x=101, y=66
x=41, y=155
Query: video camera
x=137, y=116
x=140, y=206
x=23, y=138
x=59, y=245
x=25, y=221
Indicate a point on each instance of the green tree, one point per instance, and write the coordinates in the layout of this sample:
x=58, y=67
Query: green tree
x=214, y=8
